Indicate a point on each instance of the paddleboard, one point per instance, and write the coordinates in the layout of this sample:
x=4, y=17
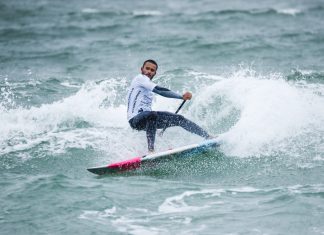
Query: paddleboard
x=150, y=159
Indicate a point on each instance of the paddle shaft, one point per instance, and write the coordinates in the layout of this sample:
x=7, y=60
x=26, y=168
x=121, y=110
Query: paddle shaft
x=183, y=102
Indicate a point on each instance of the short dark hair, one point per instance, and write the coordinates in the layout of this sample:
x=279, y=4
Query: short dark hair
x=151, y=61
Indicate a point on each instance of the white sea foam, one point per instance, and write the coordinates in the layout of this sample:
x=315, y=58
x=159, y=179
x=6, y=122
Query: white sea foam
x=178, y=204
x=90, y=10
x=67, y=84
x=181, y=203
x=271, y=113
x=122, y=223
x=289, y=11
x=110, y=212
x=57, y=124
x=301, y=189
x=147, y=13
x=246, y=189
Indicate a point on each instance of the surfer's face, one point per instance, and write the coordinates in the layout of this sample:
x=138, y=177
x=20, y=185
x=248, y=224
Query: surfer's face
x=149, y=70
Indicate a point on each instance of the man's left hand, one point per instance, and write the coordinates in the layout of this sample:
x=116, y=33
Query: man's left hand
x=187, y=96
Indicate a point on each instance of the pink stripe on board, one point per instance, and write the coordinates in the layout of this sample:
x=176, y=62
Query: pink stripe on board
x=127, y=165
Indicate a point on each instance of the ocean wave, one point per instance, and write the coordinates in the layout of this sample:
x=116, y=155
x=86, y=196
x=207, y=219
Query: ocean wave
x=143, y=13
x=254, y=115
x=95, y=13
x=204, y=199
x=91, y=13
x=129, y=223
x=58, y=123
x=259, y=12
x=309, y=76
x=261, y=116
x=217, y=206
x=289, y=11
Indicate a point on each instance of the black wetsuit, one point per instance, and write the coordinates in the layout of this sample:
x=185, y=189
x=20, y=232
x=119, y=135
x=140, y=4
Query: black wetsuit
x=152, y=120
x=142, y=118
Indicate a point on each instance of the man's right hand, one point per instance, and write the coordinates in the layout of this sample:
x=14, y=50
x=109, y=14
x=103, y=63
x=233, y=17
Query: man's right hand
x=187, y=96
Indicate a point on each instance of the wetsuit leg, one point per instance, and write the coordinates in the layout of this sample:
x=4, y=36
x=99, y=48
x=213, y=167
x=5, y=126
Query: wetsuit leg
x=167, y=119
x=150, y=121
x=146, y=121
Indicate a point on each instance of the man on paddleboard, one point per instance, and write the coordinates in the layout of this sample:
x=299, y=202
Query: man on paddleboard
x=139, y=106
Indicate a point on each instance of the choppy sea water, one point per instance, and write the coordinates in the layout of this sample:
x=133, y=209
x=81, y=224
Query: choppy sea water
x=256, y=73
